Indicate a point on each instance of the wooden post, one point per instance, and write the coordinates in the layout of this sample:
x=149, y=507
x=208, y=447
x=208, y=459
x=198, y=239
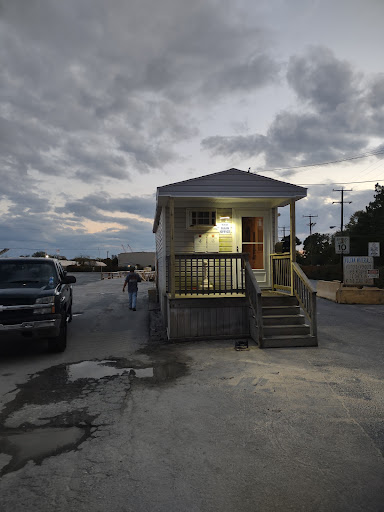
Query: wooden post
x=292, y=238
x=172, y=246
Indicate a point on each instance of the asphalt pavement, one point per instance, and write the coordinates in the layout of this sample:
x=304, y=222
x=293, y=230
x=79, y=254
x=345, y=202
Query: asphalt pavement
x=123, y=421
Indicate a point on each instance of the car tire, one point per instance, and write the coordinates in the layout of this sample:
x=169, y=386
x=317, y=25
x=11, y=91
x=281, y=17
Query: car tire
x=59, y=343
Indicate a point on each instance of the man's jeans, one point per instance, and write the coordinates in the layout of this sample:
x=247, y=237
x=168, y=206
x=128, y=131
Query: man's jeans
x=132, y=296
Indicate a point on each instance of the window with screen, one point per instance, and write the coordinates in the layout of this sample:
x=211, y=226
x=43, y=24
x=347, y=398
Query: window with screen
x=197, y=218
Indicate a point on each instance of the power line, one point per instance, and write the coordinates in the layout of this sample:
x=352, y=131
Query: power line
x=338, y=183
x=357, y=157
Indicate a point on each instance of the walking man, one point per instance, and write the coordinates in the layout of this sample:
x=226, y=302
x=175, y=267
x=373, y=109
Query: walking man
x=132, y=279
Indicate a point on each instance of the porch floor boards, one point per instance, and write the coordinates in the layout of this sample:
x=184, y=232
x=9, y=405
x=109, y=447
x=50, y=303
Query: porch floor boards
x=208, y=296
x=264, y=293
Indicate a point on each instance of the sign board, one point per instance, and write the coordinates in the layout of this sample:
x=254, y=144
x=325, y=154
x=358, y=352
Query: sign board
x=342, y=244
x=225, y=228
x=356, y=270
x=207, y=242
x=374, y=249
x=373, y=273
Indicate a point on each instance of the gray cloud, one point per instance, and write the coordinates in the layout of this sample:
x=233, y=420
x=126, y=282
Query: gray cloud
x=98, y=92
x=27, y=235
x=87, y=80
x=91, y=207
x=261, y=70
x=338, y=116
x=321, y=79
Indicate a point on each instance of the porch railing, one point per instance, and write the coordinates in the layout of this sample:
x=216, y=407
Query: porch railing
x=281, y=271
x=207, y=274
x=306, y=296
x=288, y=276
x=254, y=296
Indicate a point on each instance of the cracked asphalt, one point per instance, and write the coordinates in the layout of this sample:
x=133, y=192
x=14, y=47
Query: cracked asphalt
x=123, y=421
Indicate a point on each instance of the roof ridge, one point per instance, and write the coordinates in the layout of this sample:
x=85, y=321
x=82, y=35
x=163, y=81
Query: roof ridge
x=205, y=176
x=233, y=171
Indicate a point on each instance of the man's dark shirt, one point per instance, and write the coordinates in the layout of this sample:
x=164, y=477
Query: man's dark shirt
x=132, y=279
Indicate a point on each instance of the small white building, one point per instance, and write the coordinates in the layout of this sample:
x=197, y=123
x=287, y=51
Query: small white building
x=215, y=235
x=143, y=258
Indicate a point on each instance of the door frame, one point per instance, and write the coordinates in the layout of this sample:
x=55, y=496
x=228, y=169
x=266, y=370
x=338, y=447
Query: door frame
x=263, y=276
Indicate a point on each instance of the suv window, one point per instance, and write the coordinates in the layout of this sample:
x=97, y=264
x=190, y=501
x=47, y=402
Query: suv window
x=32, y=273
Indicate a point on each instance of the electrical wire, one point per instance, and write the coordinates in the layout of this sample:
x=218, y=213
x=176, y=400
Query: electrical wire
x=337, y=183
x=365, y=155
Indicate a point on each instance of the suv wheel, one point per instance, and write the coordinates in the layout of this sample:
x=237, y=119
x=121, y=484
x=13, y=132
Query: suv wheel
x=59, y=343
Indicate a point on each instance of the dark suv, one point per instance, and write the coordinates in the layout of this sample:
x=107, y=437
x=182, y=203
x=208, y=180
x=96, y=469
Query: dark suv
x=36, y=299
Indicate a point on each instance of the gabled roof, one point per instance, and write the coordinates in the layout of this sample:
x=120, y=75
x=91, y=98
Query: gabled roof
x=232, y=183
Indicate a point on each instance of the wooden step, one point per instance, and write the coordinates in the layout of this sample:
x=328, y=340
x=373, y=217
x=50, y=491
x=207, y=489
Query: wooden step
x=280, y=310
x=279, y=300
x=283, y=319
x=285, y=330
x=289, y=341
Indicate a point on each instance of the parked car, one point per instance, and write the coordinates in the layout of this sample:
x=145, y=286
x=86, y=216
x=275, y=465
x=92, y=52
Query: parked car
x=35, y=299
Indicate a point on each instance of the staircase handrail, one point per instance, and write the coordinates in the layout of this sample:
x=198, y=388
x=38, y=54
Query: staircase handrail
x=306, y=295
x=254, y=295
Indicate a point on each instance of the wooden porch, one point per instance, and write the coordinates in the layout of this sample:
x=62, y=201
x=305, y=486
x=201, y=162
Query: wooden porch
x=211, y=296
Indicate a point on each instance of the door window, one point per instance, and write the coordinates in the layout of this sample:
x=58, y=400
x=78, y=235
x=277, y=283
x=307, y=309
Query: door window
x=253, y=240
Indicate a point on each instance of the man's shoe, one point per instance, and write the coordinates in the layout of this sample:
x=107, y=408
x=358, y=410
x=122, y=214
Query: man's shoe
x=133, y=309
x=130, y=308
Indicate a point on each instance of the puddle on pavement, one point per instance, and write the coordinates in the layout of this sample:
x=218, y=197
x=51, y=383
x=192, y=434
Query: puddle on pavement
x=39, y=443
x=109, y=368
x=100, y=369
x=65, y=383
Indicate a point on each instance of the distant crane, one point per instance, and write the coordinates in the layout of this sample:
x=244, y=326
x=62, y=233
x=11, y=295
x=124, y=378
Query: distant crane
x=125, y=250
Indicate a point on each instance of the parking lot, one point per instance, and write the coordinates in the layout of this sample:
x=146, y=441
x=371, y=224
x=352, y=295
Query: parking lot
x=122, y=421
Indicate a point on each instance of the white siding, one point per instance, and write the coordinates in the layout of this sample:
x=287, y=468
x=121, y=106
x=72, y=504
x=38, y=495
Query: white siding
x=185, y=238
x=161, y=264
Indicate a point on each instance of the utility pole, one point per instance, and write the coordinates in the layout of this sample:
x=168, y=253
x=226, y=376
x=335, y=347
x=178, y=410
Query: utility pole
x=310, y=222
x=310, y=232
x=283, y=228
x=342, y=202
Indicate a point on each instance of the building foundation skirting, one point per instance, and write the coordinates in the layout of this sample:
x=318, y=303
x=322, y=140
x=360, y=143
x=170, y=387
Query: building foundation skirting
x=193, y=319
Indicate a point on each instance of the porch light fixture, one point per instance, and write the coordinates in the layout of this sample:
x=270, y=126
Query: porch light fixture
x=224, y=218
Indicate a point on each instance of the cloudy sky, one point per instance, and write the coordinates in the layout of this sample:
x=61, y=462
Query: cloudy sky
x=102, y=102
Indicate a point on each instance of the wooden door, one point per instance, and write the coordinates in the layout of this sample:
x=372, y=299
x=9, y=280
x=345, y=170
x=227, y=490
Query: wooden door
x=254, y=238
